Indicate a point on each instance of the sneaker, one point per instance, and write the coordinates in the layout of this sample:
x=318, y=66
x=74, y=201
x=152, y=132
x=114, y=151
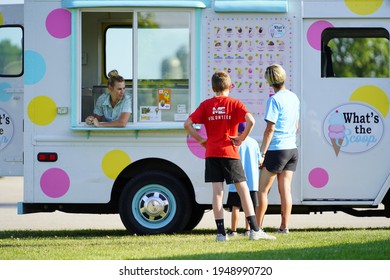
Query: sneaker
x=221, y=238
x=256, y=235
x=246, y=233
x=232, y=233
x=283, y=231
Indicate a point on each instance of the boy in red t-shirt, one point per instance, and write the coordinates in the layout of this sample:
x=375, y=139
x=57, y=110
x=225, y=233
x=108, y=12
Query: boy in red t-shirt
x=221, y=115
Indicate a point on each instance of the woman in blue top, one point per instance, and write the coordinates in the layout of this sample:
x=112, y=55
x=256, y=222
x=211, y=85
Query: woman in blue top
x=112, y=109
x=279, y=153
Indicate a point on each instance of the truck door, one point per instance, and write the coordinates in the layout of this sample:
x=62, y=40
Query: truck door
x=11, y=90
x=345, y=111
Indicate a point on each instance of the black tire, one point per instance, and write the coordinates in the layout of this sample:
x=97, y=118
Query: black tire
x=155, y=203
x=386, y=203
x=196, y=216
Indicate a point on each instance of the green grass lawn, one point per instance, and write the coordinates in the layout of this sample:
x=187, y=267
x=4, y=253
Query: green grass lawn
x=301, y=244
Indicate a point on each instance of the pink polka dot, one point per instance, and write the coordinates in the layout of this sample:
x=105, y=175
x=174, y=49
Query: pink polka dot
x=314, y=33
x=58, y=23
x=195, y=147
x=318, y=177
x=55, y=182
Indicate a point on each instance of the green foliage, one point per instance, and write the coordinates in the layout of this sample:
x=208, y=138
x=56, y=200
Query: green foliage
x=360, y=57
x=307, y=244
x=10, y=58
x=147, y=20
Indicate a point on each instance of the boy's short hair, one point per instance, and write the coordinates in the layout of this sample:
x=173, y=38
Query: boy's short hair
x=275, y=75
x=220, y=81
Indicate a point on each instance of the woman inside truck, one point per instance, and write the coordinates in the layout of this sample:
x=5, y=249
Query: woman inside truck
x=112, y=109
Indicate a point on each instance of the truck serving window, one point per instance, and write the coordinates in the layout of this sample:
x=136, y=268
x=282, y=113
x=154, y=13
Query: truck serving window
x=355, y=52
x=151, y=50
x=11, y=51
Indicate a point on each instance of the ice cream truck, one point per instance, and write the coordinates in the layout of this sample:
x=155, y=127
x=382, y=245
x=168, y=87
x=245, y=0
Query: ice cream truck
x=54, y=60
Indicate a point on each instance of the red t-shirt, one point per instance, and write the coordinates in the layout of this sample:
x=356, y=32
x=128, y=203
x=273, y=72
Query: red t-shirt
x=220, y=116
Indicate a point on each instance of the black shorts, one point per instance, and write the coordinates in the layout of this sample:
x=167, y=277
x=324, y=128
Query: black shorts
x=234, y=199
x=277, y=161
x=224, y=169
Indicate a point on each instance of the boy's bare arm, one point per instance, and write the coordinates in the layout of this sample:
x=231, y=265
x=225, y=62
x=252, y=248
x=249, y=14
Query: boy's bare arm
x=188, y=125
x=250, y=122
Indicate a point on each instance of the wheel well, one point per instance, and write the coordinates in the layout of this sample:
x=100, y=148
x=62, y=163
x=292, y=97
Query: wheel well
x=148, y=164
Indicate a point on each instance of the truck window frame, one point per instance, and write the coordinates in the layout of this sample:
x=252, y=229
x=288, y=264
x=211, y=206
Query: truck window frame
x=335, y=36
x=21, y=54
x=133, y=85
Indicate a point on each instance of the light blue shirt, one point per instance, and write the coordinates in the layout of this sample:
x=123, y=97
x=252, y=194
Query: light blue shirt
x=283, y=110
x=103, y=107
x=250, y=156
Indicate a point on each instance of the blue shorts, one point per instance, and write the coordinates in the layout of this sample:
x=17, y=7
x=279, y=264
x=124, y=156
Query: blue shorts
x=277, y=161
x=224, y=169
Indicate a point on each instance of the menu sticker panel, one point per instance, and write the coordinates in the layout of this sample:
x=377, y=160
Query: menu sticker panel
x=245, y=46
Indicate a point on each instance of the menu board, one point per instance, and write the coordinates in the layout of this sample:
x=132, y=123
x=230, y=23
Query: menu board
x=244, y=46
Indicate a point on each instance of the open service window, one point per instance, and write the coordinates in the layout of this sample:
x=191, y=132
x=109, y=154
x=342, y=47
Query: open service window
x=11, y=51
x=151, y=50
x=355, y=53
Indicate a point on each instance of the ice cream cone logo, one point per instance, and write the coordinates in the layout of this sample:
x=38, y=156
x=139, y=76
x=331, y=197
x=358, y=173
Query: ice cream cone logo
x=336, y=143
x=272, y=32
x=336, y=131
x=277, y=30
x=353, y=128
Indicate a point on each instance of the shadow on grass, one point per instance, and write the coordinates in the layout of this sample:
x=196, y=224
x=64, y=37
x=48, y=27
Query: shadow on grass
x=356, y=251
x=92, y=233
x=87, y=233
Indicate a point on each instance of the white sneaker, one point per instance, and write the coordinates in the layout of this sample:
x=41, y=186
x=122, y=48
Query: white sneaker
x=232, y=233
x=256, y=235
x=221, y=238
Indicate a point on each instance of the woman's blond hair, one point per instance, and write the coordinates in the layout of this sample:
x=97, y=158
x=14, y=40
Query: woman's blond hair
x=275, y=75
x=114, y=77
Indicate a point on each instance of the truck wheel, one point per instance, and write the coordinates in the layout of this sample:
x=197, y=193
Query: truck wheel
x=154, y=203
x=196, y=216
x=386, y=203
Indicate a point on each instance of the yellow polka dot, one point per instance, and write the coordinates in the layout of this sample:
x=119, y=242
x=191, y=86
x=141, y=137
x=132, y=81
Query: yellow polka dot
x=363, y=7
x=114, y=162
x=373, y=96
x=42, y=110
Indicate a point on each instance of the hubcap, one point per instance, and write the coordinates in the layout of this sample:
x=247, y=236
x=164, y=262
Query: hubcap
x=154, y=206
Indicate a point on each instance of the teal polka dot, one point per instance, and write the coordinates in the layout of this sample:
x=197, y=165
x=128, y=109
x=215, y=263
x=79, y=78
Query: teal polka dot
x=34, y=67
